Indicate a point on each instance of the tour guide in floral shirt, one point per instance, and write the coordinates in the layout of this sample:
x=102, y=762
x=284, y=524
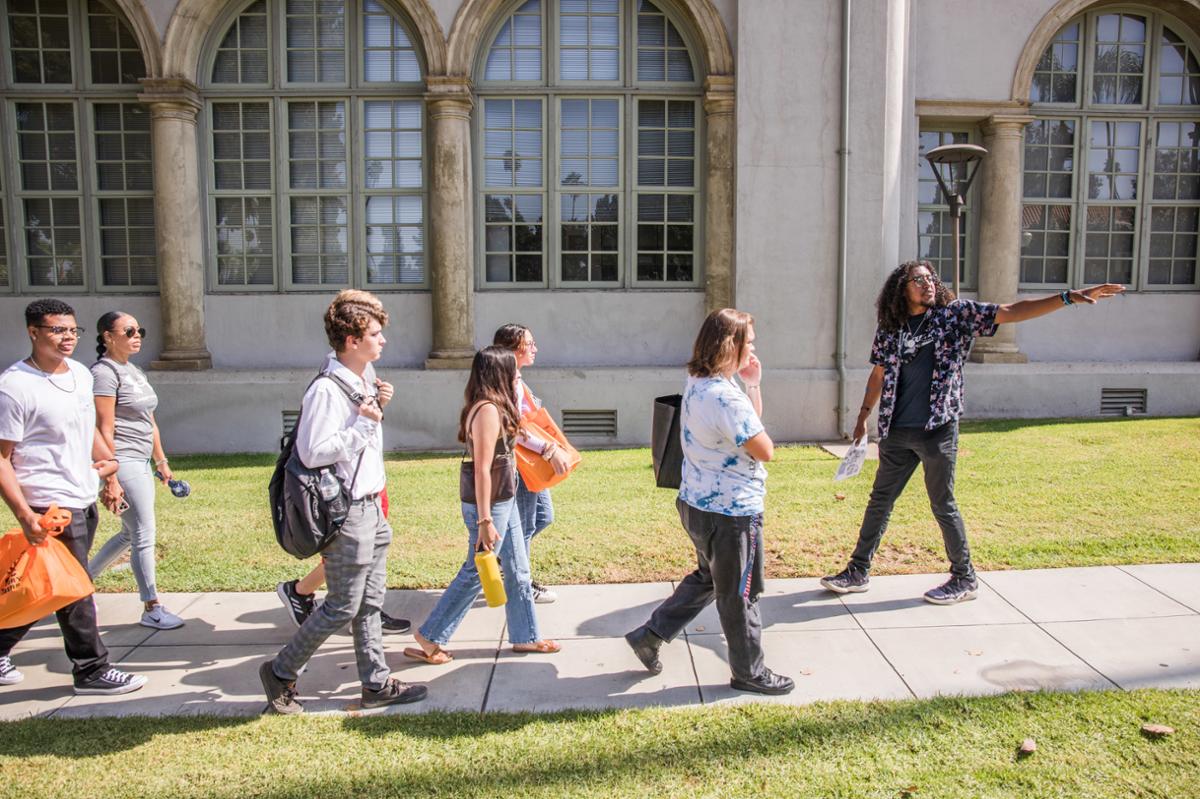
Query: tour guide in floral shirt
x=923, y=339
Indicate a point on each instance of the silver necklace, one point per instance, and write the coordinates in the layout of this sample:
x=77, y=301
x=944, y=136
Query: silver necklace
x=50, y=377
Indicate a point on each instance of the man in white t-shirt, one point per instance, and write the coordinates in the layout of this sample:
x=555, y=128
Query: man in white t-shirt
x=50, y=455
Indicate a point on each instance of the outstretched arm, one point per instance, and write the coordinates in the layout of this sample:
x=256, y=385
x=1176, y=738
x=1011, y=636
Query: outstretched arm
x=1032, y=309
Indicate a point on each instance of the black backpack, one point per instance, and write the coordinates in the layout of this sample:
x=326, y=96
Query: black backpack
x=309, y=506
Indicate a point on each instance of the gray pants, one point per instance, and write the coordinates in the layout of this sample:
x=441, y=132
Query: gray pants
x=729, y=568
x=899, y=454
x=356, y=578
x=137, y=529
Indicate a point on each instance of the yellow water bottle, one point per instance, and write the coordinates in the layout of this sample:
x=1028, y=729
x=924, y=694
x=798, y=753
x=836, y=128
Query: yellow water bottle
x=489, y=576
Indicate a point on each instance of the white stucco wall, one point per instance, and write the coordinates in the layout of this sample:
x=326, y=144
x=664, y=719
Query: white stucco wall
x=970, y=50
x=14, y=339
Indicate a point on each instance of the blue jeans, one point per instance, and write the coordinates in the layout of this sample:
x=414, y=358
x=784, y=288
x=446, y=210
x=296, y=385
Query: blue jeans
x=512, y=549
x=137, y=529
x=535, y=508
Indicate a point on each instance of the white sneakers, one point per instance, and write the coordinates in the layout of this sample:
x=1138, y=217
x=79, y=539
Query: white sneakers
x=9, y=675
x=159, y=618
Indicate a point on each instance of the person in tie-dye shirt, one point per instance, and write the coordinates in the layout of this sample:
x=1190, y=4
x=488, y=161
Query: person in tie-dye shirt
x=720, y=503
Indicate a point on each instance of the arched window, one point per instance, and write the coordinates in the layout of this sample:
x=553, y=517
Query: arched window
x=588, y=143
x=316, y=141
x=1112, y=162
x=78, y=196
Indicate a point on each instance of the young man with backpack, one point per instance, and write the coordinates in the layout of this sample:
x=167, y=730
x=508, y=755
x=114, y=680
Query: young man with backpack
x=339, y=425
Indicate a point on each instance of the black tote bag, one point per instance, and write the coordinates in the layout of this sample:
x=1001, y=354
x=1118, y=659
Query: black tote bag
x=665, y=448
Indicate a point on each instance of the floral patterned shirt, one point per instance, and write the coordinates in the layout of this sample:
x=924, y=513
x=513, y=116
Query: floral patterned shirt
x=952, y=330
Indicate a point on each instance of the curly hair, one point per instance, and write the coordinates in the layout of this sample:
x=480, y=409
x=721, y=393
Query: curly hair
x=892, y=305
x=37, y=311
x=720, y=342
x=350, y=314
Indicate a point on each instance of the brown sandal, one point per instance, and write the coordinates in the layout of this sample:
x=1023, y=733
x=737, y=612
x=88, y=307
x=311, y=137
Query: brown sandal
x=438, y=657
x=545, y=647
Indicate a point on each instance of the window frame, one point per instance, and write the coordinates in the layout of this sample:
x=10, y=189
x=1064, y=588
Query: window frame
x=82, y=95
x=277, y=93
x=1149, y=114
x=551, y=91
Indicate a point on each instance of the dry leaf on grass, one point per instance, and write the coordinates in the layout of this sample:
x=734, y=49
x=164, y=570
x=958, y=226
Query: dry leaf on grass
x=1157, y=730
x=839, y=497
x=1027, y=748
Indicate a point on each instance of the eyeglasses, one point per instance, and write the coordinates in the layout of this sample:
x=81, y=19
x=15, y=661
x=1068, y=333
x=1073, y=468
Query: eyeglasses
x=140, y=331
x=921, y=280
x=59, y=330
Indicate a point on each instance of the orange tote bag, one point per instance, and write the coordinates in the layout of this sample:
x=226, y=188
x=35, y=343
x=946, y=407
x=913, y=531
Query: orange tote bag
x=535, y=470
x=37, y=580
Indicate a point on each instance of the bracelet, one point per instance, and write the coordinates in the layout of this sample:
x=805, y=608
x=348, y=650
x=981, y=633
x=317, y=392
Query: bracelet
x=160, y=463
x=755, y=385
x=479, y=523
x=1066, y=297
x=549, y=450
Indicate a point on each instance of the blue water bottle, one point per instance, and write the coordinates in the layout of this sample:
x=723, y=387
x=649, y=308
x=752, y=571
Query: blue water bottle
x=179, y=488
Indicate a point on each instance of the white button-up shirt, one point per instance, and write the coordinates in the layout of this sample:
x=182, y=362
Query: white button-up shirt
x=332, y=431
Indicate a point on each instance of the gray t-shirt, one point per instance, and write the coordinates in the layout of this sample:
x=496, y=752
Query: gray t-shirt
x=133, y=428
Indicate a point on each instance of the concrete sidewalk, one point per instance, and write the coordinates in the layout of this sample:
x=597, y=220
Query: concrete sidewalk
x=1064, y=630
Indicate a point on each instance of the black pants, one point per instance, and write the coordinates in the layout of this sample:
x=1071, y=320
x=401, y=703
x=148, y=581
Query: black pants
x=730, y=567
x=937, y=451
x=81, y=638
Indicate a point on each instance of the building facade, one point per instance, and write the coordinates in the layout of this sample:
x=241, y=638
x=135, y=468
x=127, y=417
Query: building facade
x=604, y=171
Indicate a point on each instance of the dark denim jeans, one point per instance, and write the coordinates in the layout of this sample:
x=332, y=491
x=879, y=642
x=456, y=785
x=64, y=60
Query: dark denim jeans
x=729, y=569
x=937, y=451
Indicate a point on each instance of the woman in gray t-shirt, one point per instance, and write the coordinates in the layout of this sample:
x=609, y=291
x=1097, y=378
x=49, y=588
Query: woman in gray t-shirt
x=125, y=404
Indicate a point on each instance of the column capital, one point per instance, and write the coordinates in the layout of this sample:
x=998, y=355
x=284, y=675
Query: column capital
x=1005, y=124
x=175, y=98
x=719, y=94
x=449, y=96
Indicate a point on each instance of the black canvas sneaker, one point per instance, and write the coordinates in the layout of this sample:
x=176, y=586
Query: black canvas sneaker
x=111, y=681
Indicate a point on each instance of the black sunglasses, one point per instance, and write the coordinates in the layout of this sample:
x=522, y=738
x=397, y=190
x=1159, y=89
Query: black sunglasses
x=129, y=331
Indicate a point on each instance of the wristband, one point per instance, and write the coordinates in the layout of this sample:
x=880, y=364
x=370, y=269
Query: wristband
x=1066, y=297
x=160, y=462
x=480, y=522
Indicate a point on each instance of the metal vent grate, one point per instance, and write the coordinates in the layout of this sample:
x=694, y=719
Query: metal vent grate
x=289, y=421
x=1122, y=401
x=590, y=423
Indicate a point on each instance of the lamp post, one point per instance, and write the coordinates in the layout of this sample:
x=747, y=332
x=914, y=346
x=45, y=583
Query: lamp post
x=955, y=185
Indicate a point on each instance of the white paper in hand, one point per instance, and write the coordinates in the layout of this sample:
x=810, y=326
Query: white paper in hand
x=853, y=462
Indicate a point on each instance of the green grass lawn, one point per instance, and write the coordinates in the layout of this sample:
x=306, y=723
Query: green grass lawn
x=1088, y=745
x=1033, y=493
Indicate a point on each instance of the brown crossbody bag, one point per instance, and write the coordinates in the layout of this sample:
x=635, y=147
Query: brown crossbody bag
x=504, y=472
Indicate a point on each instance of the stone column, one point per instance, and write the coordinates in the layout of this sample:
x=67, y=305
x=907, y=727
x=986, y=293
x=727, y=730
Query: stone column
x=719, y=279
x=179, y=237
x=1000, y=231
x=451, y=256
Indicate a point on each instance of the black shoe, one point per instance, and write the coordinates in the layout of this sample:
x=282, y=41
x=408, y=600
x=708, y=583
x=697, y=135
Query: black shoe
x=766, y=683
x=391, y=624
x=299, y=606
x=645, y=644
x=110, y=681
x=953, y=591
x=850, y=580
x=281, y=695
x=393, y=692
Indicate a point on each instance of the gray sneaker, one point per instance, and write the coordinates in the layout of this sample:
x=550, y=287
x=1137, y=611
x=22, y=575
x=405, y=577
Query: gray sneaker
x=393, y=692
x=850, y=580
x=159, y=618
x=281, y=695
x=953, y=591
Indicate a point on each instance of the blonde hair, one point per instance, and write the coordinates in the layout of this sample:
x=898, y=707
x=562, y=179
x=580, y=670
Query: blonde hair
x=350, y=314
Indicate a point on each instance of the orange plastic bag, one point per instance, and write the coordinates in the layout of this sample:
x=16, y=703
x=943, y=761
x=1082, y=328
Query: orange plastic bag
x=535, y=470
x=37, y=580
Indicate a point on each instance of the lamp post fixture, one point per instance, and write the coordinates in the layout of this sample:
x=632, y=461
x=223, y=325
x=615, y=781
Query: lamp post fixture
x=955, y=186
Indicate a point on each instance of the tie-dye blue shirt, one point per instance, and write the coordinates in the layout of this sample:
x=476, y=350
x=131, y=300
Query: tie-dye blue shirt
x=716, y=420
